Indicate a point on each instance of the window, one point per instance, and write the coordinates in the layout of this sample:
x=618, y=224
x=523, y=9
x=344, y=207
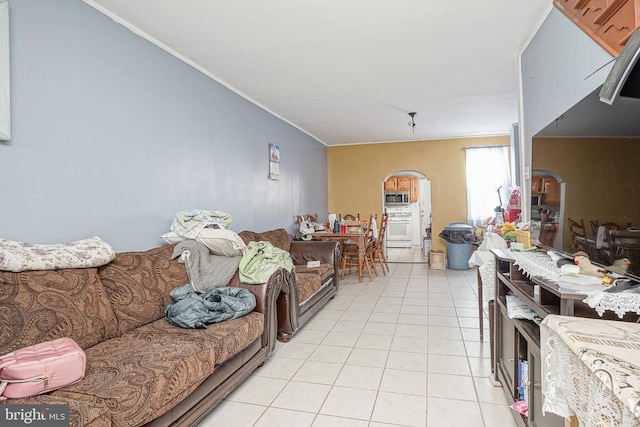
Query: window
x=487, y=174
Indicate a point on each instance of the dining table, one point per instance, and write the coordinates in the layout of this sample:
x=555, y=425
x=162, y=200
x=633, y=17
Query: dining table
x=359, y=237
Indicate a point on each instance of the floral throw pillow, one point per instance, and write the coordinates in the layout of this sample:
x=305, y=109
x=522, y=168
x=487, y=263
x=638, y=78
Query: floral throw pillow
x=21, y=256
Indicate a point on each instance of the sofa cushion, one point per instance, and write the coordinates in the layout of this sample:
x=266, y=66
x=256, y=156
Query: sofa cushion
x=138, y=284
x=225, y=338
x=81, y=413
x=278, y=238
x=324, y=270
x=43, y=305
x=307, y=284
x=138, y=379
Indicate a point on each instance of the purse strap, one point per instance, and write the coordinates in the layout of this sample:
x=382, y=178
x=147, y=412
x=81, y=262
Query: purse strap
x=4, y=383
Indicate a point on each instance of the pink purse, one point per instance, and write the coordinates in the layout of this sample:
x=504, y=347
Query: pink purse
x=41, y=368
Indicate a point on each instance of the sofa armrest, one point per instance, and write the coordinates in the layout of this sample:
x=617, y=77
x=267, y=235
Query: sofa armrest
x=325, y=251
x=266, y=296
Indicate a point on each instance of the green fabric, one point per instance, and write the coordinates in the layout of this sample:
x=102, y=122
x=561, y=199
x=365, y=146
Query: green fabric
x=261, y=260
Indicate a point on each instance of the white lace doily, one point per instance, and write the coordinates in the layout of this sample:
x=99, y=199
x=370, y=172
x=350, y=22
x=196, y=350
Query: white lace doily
x=541, y=265
x=590, y=369
x=620, y=302
x=537, y=264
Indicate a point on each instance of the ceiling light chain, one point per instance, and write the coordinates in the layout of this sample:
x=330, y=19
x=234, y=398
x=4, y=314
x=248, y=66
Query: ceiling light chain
x=412, y=123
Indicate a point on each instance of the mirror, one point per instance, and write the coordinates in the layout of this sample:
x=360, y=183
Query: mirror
x=5, y=106
x=594, y=150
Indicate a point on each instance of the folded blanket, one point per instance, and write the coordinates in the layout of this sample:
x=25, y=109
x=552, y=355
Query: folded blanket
x=188, y=309
x=261, y=260
x=21, y=256
x=205, y=270
x=191, y=222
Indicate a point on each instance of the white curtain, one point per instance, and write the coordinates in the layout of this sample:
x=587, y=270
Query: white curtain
x=487, y=170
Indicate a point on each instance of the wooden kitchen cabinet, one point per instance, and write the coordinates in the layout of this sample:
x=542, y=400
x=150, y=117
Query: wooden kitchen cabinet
x=536, y=184
x=404, y=183
x=550, y=191
x=391, y=184
x=549, y=187
x=413, y=192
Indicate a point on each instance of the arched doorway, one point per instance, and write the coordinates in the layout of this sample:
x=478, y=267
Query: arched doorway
x=547, y=206
x=408, y=235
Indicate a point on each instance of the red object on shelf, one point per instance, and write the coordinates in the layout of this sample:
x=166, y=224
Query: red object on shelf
x=512, y=215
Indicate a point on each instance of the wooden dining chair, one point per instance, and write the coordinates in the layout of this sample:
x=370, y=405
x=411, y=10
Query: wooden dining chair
x=350, y=255
x=578, y=233
x=378, y=246
x=603, y=253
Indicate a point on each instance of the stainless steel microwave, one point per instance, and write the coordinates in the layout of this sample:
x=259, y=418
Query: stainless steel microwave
x=536, y=199
x=396, y=198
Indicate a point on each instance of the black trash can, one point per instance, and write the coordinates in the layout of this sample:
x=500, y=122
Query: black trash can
x=459, y=237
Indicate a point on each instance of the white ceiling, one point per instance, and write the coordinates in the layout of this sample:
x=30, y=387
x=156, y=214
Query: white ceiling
x=350, y=71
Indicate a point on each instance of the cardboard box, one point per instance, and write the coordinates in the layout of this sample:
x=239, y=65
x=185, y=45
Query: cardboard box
x=437, y=260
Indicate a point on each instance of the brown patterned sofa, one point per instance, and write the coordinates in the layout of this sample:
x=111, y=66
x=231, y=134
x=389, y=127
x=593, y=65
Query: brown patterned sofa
x=141, y=370
x=310, y=288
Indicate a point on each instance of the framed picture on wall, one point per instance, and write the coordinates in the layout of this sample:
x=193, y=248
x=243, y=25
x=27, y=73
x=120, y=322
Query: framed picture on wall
x=274, y=162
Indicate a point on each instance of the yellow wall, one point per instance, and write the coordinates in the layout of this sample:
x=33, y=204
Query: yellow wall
x=357, y=172
x=600, y=175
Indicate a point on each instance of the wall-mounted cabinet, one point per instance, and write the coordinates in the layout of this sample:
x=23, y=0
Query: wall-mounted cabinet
x=414, y=192
x=550, y=191
x=536, y=184
x=549, y=187
x=391, y=184
x=404, y=183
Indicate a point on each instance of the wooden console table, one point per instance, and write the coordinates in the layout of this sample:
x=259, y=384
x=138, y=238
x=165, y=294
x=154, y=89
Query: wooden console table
x=518, y=340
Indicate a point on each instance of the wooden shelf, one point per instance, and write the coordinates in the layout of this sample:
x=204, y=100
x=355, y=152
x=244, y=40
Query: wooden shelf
x=609, y=23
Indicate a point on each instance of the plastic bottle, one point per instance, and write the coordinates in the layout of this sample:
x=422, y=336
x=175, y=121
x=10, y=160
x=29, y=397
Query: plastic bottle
x=343, y=226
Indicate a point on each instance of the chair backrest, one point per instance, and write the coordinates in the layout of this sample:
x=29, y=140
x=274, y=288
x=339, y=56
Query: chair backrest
x=383, y=229
x=624, y=240
x=369, y=241
x=577, y=229
x=595, y=227
x=349, y=217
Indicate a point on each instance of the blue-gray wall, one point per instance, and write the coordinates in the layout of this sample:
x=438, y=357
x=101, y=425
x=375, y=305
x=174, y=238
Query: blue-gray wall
x=111, y=136
x=560, y=66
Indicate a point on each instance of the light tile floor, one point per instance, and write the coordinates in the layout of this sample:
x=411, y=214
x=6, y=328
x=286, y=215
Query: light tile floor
x=413, y=254
x=401, y=350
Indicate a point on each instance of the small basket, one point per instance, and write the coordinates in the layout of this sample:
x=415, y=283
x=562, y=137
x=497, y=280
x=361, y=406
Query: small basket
x=436, y=260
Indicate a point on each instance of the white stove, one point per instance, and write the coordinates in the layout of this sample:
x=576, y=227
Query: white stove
x=399, y=227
